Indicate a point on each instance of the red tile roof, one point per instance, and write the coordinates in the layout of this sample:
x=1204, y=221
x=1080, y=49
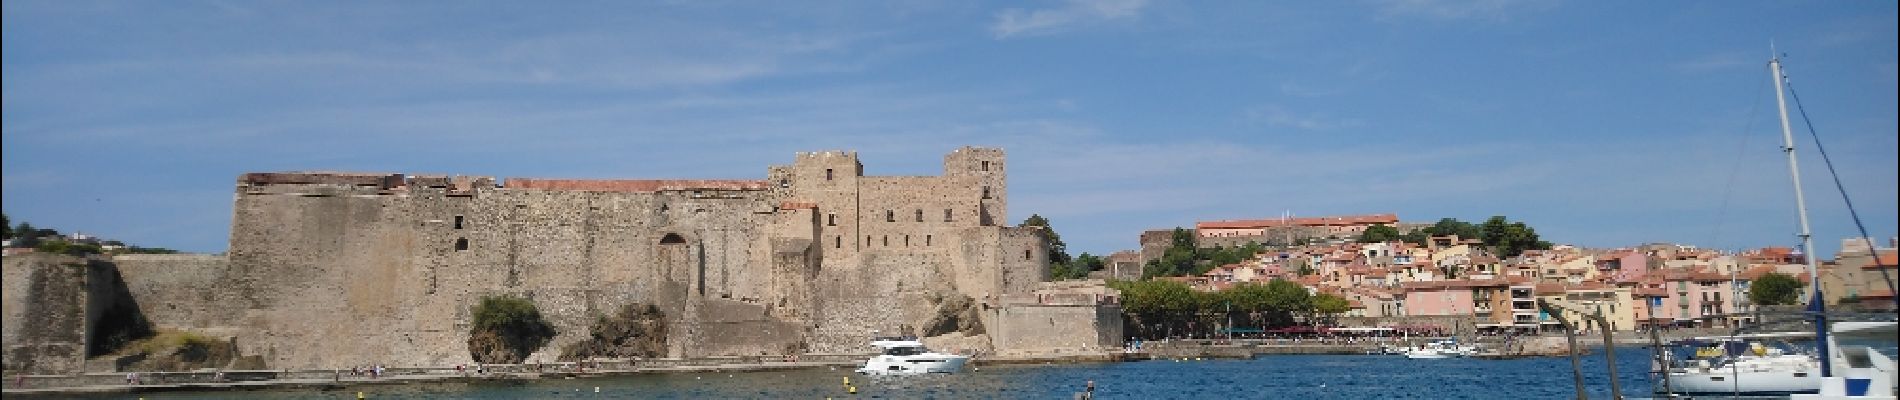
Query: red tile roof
x=1887, y=259
x=1455, y=284
x=1313, y=221
x=1753, y=273
x=1548, y=288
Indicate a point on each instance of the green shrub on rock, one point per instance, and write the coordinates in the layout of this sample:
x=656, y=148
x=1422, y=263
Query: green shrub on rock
x=506, y=330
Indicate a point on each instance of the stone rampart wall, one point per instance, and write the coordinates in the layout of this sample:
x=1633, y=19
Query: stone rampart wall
x=50, y=306
x=179, y=291
x=1028, y=329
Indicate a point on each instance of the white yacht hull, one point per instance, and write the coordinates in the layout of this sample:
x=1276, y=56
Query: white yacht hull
x=1427, y=355
x=913, y=365
x=1720, y=381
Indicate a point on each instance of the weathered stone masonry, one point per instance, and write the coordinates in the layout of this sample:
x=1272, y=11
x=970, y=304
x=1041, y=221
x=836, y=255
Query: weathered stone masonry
x=330, y=269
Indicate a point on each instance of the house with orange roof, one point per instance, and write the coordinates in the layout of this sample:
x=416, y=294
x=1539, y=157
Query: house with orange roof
x=1696, y=297
x=1449, y=298
x=1577, y=302
x=1860, y=279
x=1623, y=265
x=1224, y=273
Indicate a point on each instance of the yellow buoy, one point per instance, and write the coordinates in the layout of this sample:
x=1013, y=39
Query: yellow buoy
x=847, y=381
x=851, y=389
x=596, y=389
x=359, y=395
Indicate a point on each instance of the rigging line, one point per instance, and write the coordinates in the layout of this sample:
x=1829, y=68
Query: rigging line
x=1872, y=250
x=1741, y=151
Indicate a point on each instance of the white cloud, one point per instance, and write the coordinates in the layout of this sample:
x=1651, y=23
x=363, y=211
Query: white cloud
x=1019, y=22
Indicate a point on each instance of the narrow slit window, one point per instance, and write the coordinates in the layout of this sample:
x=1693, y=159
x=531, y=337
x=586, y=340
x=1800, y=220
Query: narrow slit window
x=887, y=241
x=906, y=240
x=827, y=174
x=986, y=165
x=837, y=242
x=927, y=240
x=890, y=216
x=831, y=219
x=1025, y=254
x=946, y=215
x=458, y=222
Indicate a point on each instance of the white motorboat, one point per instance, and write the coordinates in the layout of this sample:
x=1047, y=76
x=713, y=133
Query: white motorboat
x=905, y=356
x=1436, y=350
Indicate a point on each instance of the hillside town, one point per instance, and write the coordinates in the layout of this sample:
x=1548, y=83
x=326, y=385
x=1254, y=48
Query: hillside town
x=1657, y=285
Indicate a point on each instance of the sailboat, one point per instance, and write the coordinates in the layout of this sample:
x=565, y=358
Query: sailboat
x=1736, y=364
x=1855, y=372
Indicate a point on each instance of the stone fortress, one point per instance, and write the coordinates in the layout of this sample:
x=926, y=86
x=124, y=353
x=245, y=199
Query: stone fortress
x=329, y=270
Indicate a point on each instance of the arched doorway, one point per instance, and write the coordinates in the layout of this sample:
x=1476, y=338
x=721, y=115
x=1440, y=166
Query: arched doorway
x=681, y=261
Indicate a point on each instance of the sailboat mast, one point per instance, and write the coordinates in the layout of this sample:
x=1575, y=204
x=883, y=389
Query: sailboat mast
x=1816, y=303
x=1794, y=168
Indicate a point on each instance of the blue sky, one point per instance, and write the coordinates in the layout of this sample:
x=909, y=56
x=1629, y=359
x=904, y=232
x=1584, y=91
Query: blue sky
x=1600, y=123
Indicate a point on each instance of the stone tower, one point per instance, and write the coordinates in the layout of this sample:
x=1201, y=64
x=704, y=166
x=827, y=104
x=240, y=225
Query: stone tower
x=986, y=164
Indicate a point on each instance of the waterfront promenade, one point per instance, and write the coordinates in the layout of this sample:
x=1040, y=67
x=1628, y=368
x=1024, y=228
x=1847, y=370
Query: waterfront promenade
x=327, y=380
x=332, y=380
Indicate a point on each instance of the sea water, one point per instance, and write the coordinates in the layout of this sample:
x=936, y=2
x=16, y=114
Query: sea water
x=1288, y=376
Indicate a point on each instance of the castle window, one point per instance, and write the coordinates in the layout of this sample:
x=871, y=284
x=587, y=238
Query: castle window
x=887, y=240
x=920, y=215
x=927, y=240
x=906, y=240
x=986, y=165
x=890, y=216
x=986, y=192
x=867, y=240
x=837, y=242
x=458, y=222
x=831, y=219
x=946, y=215
x=827, y=174
x=461, y=244
x=1025, y=254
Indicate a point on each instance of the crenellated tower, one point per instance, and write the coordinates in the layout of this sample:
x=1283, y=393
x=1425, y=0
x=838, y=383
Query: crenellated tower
x=986, y=165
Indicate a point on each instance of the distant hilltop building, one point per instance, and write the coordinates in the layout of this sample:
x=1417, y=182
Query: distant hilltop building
x=1271, y=231
x=331, y=269
x=1340, y=226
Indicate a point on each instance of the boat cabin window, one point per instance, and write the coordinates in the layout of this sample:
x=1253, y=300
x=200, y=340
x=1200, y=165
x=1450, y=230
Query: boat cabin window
x=903, y=351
